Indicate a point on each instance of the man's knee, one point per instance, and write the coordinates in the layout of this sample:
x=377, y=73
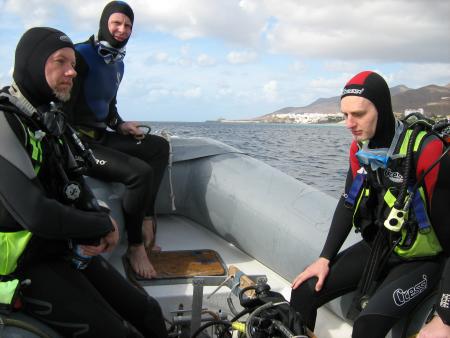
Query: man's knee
x=142, y=172
x=164, y=147
x=304, y=294
x=372, y=326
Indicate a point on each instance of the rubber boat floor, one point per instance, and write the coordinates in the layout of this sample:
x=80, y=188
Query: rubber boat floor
x=177, y=233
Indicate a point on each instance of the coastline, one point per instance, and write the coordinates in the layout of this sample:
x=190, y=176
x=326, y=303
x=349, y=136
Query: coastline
x=342, y=122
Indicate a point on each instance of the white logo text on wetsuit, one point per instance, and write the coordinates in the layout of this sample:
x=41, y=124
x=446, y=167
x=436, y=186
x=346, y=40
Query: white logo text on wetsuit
x=394, y=176
x=402, y=297
x=445, y=301
x=100, y=162
x=352, y=91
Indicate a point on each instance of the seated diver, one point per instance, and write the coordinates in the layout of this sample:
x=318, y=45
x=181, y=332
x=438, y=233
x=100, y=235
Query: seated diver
x=398, y=261
x=46, y=210
x=124, y=153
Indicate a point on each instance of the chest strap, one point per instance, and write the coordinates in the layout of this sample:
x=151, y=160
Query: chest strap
x=356, y=187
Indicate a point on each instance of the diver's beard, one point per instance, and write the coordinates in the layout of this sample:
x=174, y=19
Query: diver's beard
x=61, y=95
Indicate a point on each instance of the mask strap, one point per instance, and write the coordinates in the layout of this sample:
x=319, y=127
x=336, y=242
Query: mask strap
x=398, y=131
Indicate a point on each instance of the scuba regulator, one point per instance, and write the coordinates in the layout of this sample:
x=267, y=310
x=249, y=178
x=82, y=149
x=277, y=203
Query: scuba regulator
x=397, y=217
x=269, y=316
x=64, y=144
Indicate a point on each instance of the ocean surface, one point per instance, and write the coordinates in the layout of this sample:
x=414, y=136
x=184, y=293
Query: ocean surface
x=314, y=154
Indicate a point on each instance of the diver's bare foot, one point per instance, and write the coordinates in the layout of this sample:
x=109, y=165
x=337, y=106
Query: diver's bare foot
x=139, y=261
x=148, y=232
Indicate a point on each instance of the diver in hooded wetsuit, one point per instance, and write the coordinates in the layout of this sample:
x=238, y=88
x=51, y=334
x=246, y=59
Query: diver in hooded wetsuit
x=391, y=271
x=124, y=154
x=46, y=209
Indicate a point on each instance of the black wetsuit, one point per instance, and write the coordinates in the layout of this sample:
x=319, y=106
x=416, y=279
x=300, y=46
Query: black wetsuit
x=139, y=165
x=443, y=298
x=95, y=302
x=398, y=276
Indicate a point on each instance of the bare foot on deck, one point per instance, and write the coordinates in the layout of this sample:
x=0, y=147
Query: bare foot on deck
x=149, y=233
x=139, y=261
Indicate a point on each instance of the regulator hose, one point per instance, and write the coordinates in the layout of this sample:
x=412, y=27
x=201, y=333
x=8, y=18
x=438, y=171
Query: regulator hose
x=24, y=326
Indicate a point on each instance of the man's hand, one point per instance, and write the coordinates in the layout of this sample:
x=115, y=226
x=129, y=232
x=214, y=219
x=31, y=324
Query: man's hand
x=93, y=250
x=435, y=329
x=131, y=128
x=107, y=243
x=112, y=238
x=319, y=269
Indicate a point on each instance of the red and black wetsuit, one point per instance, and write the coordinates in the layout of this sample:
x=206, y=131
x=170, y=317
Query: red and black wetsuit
x=346, y=267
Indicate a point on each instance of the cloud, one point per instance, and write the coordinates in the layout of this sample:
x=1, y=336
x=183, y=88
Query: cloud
x=157, y=93
x=160, y=57
x=205, y=60
x=184, y=61
x=293, y=51
x=5, y=79
x=270, y=90
x=241, y=57
x=193, y=93
x=416, y=75
x=224, y=91
x=85, y=14
x=298, y=67
x=384, y=30
x=233, y=21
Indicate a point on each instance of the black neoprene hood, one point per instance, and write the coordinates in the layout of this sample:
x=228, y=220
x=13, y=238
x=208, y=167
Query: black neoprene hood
x=111, y=8
x=32, y=52
x=373, y=87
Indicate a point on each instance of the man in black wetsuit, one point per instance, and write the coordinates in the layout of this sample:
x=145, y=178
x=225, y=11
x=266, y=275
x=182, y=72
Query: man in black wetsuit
x=46, y=209
x=124, y=155
x=398, y=262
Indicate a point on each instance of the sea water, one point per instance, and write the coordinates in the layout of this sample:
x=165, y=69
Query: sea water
x=314, y=154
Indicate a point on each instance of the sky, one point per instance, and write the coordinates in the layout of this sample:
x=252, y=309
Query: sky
x=197, y=60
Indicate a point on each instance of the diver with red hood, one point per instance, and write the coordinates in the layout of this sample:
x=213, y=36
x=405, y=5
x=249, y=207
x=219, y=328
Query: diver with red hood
x=396, y=196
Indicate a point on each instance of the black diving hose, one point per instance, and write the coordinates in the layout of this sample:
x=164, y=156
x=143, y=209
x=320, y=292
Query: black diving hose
x=224, y=323
x=400, y=202
x=24, y=326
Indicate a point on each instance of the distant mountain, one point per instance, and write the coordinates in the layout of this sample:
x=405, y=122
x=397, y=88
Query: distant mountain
x=398, y=89
x=433, y=99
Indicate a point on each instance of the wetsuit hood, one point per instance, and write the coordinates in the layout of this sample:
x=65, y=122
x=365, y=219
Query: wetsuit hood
x=373, y=87
x=32, y=52
x=111, y=8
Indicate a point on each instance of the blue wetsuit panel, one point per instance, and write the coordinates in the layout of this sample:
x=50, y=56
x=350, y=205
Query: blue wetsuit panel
x=101, y=82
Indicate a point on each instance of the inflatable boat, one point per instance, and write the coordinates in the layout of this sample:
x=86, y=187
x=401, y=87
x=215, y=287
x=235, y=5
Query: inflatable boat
x=220, y=206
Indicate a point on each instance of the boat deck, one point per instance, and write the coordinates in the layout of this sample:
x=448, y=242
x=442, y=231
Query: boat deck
x=179, y=233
